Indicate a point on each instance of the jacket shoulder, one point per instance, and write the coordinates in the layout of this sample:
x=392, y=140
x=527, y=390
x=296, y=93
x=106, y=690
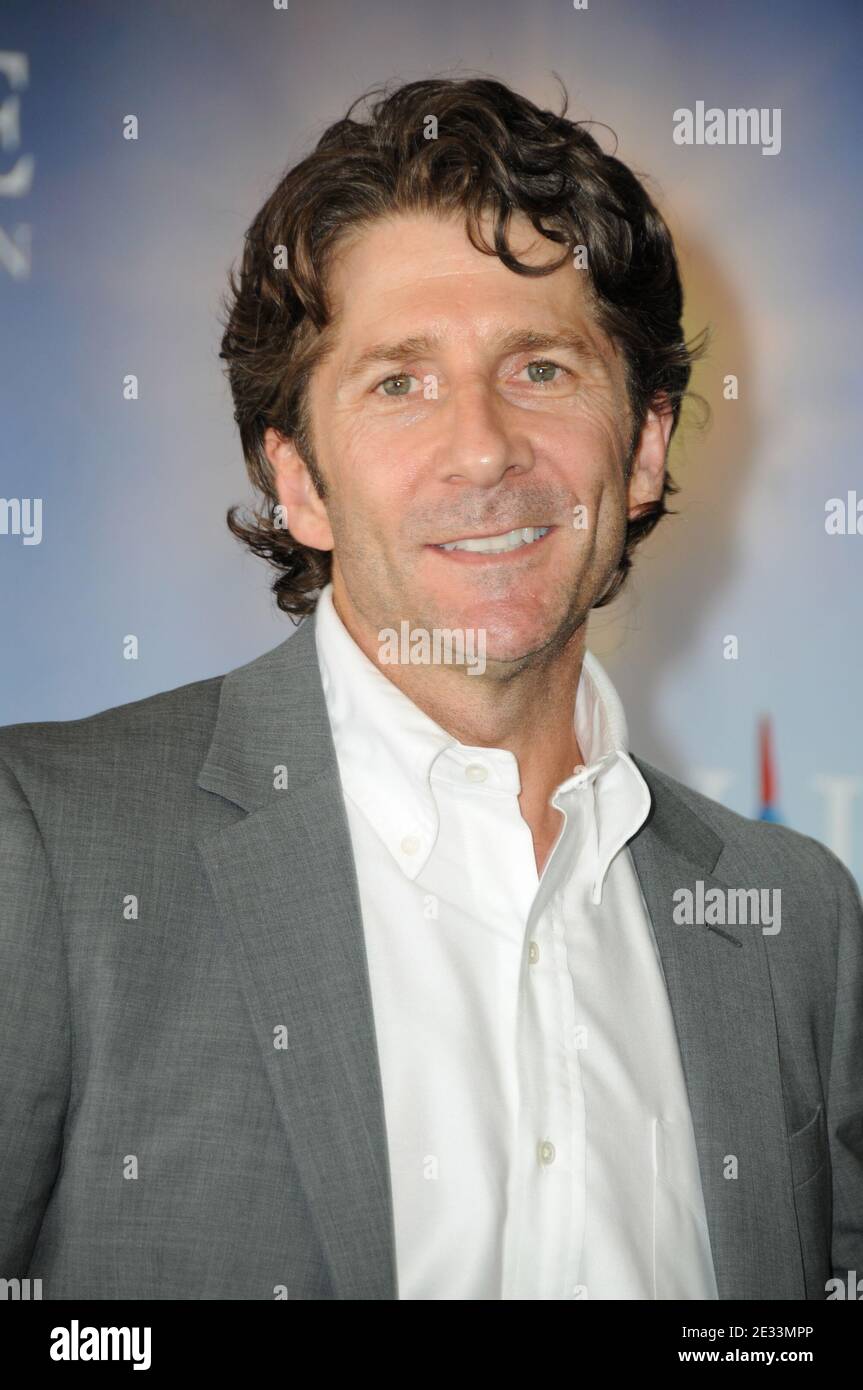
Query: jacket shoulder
x=172, y=728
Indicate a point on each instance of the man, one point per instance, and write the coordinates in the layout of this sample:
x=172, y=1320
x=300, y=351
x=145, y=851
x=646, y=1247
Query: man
x=361, y=972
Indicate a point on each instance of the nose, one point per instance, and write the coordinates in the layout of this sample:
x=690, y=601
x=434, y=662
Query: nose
x=481, y=446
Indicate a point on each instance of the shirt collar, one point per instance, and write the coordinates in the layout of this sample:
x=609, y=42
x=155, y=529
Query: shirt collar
x=388, y=749
x=385, y=744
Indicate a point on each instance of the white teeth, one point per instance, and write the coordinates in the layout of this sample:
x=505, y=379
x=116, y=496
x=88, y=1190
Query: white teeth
x=491, y=544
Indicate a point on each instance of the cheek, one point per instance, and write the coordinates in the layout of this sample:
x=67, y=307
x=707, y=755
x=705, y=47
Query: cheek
x=373, y=483
x=589, y=456
x=599, y=428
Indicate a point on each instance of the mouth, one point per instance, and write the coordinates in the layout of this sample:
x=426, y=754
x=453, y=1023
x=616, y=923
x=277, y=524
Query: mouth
x=507, y=542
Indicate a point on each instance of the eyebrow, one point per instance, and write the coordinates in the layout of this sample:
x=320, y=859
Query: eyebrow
x=516, y=340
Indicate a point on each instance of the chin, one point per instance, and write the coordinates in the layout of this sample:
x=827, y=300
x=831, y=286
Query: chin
x=517, y=620
x=508, y=636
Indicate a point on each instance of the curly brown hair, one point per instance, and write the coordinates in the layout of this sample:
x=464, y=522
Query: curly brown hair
x=494, y=152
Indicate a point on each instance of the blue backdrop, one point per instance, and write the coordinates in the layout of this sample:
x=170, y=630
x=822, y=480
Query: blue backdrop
x=113, y=257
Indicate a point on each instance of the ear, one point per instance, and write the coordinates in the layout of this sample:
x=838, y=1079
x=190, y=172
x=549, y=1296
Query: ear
x=647, y=478
x=306, y=514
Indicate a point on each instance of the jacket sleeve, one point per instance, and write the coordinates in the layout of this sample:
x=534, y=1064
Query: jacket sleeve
x=35, y=1030
x=845, y=1098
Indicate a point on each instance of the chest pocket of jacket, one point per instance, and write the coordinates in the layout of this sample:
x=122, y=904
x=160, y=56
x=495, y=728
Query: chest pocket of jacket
x=811, y=1176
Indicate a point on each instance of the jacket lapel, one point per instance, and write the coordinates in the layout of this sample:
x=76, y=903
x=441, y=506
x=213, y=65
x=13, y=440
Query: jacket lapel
x=722, y=1002
x=284, y=881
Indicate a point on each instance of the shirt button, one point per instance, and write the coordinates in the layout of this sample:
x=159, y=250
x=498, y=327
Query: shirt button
x=533, y=953
x=410, y=844
x=475, y=772
x=546, y=1151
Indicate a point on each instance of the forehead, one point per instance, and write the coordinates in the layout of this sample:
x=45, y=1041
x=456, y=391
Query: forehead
x=420, y=272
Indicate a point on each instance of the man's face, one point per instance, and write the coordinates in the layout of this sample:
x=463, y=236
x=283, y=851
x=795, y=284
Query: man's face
x=463, y=400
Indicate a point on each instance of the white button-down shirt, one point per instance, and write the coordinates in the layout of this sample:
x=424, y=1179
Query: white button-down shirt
x=539, y=1134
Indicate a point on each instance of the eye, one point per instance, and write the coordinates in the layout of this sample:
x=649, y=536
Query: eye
x=401, y=379
x=545, y=367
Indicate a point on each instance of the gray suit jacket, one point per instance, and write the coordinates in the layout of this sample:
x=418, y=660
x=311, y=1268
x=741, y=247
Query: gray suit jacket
x=156, y=1143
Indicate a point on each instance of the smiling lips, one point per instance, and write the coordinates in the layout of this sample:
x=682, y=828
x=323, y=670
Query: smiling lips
x=496, y=545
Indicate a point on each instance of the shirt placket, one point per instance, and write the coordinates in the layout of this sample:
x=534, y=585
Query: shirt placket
x=546, y=1229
